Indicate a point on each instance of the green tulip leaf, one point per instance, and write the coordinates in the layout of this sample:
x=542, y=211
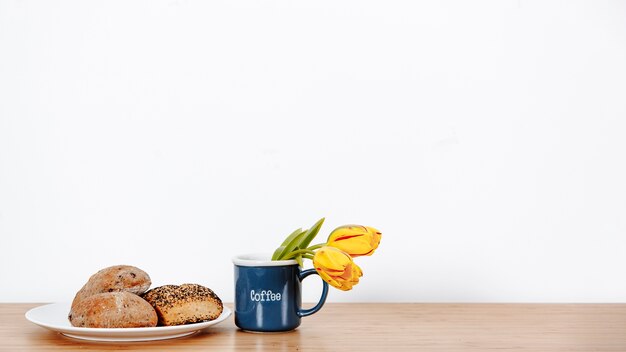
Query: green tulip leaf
x=311, y=233
x=287, y=246
x=291, y=237
x=293, y=245
x=296, y=241
x=277, y=252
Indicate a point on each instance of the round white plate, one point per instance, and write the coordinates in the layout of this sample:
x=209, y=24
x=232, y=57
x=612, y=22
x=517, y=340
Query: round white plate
x=54, y=317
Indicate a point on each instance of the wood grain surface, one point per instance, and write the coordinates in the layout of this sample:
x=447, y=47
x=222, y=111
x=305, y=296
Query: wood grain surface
x=376, y=327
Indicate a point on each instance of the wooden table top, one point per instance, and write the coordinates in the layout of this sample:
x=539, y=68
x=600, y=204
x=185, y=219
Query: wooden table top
x=376, y=327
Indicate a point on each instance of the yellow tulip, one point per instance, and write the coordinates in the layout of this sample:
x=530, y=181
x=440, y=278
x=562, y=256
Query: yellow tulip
x=337, y=268
x=355, y=240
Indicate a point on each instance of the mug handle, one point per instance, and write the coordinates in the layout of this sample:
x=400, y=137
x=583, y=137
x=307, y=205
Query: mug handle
x=305, y=312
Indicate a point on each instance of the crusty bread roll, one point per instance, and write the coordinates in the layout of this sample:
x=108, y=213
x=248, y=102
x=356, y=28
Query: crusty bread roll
x=114, y=279
x=184, y=304
x=113, y=310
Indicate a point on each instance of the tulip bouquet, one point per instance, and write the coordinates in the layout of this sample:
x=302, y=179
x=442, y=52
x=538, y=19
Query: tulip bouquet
x=333, y=260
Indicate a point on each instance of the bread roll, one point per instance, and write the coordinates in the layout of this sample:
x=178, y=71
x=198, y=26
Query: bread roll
x=114, y=279
x=184, y=304
x=113, y=310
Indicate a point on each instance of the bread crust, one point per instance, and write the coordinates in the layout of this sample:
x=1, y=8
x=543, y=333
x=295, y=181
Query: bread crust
x=115, y=279
x=113, y=310
x=184, y=304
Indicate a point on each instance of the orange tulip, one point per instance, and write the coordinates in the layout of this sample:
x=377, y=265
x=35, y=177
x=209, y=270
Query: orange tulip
x=337, y=268
x=355, y=240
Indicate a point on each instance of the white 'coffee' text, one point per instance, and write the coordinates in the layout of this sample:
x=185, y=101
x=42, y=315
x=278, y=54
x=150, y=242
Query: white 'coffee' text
x=264, y=295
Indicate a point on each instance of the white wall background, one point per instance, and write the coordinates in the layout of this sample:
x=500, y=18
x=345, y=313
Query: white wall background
x=486, y=139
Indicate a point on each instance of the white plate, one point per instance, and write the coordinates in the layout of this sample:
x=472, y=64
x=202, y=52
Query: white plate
x=54, y=317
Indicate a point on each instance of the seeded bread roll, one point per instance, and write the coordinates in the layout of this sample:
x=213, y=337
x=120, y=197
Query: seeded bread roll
x=114, y=279
x=113, y=310
x=184, y=304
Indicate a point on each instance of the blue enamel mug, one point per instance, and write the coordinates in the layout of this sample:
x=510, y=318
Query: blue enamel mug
x=268, y=293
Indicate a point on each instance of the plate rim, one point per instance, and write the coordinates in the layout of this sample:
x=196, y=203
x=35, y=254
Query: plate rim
x=127, y=334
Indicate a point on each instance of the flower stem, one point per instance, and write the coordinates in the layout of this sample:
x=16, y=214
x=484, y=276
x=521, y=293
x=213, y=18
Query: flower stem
x=317, y=246
x=299, y=251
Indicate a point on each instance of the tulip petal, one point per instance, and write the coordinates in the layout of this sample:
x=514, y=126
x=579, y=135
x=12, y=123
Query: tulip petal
x=336, y=268
x=346, y=237
x=329, y=279
x=355, y=240
x=331, y=260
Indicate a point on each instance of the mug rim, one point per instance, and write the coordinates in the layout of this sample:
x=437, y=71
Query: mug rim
x=260, y=259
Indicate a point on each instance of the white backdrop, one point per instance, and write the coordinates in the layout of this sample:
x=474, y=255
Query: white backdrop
x=485, y=139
